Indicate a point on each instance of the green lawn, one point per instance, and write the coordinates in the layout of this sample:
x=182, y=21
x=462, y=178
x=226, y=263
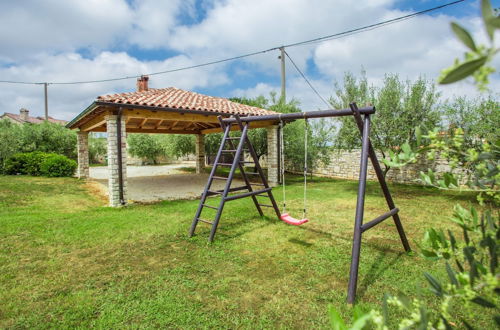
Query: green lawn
x=67, y=260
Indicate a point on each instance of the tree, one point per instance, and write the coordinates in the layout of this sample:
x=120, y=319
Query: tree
x=178, y=145
x=401, y=107
x=146, y=146
x=10, y=140
x=472, y=262
x=97, y=149
x=48, y=137
x=479, y=118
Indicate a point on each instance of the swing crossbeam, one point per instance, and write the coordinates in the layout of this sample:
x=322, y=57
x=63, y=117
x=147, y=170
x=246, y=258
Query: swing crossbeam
x=301, y=115
x=362, y=119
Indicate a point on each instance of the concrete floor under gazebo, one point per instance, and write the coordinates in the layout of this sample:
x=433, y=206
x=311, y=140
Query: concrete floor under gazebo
x=159, y=182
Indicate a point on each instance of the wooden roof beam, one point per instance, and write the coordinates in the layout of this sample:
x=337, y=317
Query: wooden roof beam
x=90, y=125
x=149, y=114
x=153, y=131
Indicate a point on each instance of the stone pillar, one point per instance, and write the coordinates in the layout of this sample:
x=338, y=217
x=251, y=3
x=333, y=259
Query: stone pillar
x=200, y=153
x=272, y=155
x=82, y=140
x=113, y=168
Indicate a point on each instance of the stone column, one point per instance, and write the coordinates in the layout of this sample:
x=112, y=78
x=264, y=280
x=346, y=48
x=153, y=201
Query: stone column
x=200, y=153
x=82, y=139
x=113, y=168
x=272, y=155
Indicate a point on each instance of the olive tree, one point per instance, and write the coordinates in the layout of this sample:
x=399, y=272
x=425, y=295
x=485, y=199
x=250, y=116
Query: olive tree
x=401, y=107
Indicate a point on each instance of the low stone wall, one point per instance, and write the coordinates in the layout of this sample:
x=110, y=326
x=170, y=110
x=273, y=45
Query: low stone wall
x=345, y=164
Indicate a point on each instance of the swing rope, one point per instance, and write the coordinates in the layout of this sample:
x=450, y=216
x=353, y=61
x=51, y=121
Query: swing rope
x=285, y=216
x=305, y=168
x=282, y=166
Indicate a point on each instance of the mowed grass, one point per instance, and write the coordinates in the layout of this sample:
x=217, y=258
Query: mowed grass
x=67, y=260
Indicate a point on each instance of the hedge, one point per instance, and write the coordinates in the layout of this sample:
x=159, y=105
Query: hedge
x=40, y=164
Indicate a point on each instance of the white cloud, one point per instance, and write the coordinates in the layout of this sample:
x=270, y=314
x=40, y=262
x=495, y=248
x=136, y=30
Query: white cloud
x=153, y=21
x=68, y=100
x=41, y=42
x=53, y=26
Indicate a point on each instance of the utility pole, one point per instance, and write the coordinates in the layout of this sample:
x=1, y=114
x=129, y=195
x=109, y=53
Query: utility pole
x=46, y=101
x=283, y=78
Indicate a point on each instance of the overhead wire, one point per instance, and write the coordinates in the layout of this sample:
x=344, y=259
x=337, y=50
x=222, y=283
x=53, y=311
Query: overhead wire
x=305, y=42
x=307, y=80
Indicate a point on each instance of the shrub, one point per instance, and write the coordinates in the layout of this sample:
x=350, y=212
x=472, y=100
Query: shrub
x=57, y=166
x=40, y=163
x=25, y=163
x=16, y=164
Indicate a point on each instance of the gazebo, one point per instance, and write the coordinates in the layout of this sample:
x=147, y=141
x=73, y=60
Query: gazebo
x=166, y=111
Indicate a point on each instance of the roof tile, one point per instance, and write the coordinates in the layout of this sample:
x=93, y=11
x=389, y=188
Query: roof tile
x=180, y=99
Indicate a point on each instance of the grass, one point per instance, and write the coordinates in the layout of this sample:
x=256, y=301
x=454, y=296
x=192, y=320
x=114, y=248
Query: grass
x=66, y=260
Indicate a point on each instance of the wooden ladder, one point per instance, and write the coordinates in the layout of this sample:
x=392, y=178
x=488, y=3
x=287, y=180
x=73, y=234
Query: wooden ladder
x=228, y=146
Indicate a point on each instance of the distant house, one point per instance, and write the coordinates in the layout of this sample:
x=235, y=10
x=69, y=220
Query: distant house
x=24, y=117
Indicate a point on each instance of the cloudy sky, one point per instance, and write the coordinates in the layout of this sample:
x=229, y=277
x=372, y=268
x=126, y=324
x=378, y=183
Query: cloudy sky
x=79, y=40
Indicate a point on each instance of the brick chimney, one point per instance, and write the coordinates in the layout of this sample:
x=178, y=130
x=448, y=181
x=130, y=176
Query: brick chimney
x=24, y=114
x=142, y=84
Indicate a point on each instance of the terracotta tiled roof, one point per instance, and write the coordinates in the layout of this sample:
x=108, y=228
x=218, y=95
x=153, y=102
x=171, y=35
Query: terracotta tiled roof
x=184, y=100
x=33, y=120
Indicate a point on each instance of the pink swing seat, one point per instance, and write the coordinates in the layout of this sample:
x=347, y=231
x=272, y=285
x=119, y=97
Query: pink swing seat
x=292, y=221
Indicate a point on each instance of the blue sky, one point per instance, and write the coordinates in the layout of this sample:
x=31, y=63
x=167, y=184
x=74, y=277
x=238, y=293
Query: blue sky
x=79, y=40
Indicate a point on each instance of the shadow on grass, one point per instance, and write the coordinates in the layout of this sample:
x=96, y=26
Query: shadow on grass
x=300, y=242
x=380, y=265
x=349, y=239
x=229, y=231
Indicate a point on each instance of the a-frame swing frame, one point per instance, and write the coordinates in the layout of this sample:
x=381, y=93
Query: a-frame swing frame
x=362, y=119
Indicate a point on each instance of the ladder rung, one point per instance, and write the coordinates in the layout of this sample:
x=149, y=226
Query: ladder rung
x=214, y=192
x=250, y=193
x=229, y=150
x=246, y=162
x=205, y=221
x=210, y=207
x=219, y=177
x=266, y=205
x=225, y=164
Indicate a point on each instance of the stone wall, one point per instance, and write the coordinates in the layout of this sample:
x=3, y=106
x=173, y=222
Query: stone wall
x=345, y=165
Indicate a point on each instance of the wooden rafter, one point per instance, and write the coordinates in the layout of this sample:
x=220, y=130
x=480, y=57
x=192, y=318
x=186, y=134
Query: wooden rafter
x=170, y=116
x=94, y=123
x=158, y=124
x=141, y=125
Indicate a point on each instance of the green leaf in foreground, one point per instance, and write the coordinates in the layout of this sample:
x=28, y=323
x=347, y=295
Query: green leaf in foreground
x=463, y=70
x=464, y=36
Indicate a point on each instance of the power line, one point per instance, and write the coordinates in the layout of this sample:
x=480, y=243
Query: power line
x=307, y=80
x=305, y=42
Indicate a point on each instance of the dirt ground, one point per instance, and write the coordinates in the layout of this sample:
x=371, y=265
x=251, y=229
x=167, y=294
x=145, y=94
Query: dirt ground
x=154, y=183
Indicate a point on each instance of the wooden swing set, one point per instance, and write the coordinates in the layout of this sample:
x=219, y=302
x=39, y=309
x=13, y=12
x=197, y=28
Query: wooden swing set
x=236, y=146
